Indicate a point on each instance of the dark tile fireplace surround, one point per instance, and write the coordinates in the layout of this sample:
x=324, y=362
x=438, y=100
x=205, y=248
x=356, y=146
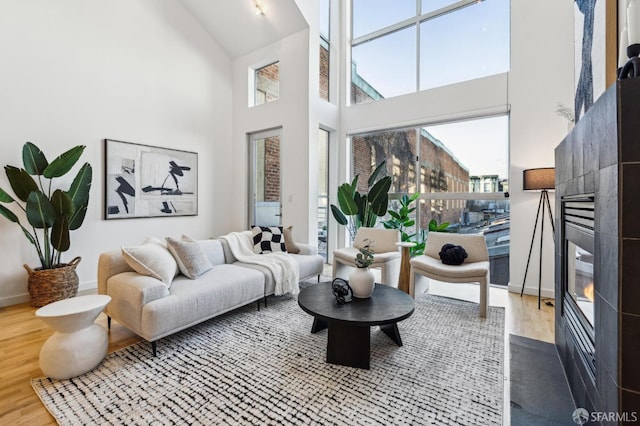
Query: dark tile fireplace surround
x=599, y=161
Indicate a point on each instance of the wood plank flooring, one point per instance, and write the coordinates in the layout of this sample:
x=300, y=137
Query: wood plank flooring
x=22, y=334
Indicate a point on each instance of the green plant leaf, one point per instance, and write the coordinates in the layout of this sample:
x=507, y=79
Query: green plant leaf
x=379, y=196
x=40, y=212
x=5, y=197
x=76, y=219
x=374, y=175
x=60, y=234
x=354, y=184
x=62, y=203
x=443, y=226
x=33, y=159
x=414, y=197
x=394, y=214
x=361, y=206
x=79, y=190
x=409, y=223
x=339, y=217
x=9, y=214
x=21, y=182
x=346, y=200
x=62, y=164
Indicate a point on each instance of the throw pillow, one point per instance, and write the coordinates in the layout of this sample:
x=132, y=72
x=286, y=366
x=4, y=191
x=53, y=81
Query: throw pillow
x=192, y=260
x=151, y=259
x=451, y=254
x=268, y=239
x=291, y=245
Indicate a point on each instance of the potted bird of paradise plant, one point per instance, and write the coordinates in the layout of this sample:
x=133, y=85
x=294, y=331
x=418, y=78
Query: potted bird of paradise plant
x=50, y=213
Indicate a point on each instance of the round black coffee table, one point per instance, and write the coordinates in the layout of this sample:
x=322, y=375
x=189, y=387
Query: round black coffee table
x=348, y=341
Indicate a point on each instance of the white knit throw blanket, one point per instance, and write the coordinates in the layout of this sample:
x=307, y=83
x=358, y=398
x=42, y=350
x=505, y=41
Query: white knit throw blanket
x=284, y=269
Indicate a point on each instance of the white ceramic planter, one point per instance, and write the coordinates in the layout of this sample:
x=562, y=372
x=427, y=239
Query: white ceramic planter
x=362, y=282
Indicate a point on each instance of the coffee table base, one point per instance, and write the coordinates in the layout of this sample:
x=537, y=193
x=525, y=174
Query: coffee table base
x=351, y=345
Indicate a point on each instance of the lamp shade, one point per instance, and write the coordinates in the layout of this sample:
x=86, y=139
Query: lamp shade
x=538, y=179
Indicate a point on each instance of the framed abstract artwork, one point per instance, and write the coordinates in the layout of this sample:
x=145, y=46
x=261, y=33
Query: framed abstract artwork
x=595, y=29
x=149, y=181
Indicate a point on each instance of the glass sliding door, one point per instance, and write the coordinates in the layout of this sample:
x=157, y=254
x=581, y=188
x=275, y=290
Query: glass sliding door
x=265, y=201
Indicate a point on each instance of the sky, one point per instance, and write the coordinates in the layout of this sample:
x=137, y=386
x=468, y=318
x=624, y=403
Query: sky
x=480, y=145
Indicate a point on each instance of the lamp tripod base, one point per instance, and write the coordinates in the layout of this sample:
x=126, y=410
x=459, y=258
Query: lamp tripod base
x=543, y=205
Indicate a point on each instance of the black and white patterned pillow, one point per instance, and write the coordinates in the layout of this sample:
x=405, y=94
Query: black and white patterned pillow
x=268, y=239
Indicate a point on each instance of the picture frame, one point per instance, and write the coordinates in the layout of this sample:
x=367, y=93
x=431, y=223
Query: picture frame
x=149, y=181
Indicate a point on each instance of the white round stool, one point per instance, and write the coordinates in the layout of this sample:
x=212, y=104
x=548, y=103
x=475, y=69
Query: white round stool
x=78, y=344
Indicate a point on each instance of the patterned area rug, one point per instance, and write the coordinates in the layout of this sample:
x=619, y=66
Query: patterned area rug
x=265, y=367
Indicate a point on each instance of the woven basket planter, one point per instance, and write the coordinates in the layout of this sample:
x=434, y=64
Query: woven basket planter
x=50, y=285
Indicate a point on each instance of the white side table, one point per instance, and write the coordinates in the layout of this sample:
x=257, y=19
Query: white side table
x=78, y=344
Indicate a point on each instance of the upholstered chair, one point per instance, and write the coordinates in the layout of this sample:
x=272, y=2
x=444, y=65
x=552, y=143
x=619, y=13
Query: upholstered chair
x=475, y=267
x=386, y=254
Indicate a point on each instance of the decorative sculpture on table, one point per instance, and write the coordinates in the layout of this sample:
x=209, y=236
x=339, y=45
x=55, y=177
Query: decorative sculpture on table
x=341, y=290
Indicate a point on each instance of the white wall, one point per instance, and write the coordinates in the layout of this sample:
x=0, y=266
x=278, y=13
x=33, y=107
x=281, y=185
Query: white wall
x=541, y=76
x=291, y=113
x=77, y=71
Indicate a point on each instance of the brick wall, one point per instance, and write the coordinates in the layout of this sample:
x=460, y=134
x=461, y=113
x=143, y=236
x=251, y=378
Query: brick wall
x=439, y=171
x=268, y=83
x=324, y=73
x=272, y=169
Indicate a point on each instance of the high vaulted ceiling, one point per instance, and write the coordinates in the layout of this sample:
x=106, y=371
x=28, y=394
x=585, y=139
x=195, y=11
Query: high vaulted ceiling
x=235, y=25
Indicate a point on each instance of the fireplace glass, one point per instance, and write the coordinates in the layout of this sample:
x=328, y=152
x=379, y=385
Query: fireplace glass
x=580, y=279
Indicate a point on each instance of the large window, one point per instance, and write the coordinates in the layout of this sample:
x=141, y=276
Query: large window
x=407, y=45
x=460, y=169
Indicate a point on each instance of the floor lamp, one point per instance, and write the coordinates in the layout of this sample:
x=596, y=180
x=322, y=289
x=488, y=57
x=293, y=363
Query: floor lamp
x=541, y=179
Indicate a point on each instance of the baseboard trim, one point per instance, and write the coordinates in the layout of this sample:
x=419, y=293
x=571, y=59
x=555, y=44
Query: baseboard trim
x=89, y=287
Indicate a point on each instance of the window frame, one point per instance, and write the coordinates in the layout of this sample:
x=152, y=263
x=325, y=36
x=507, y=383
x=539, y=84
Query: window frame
x=416, y=21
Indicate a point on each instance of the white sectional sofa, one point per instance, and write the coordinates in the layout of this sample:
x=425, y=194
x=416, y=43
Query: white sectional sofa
x=153, y=309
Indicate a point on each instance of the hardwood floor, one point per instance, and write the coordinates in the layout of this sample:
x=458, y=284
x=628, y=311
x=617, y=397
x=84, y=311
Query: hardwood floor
x=22, y=335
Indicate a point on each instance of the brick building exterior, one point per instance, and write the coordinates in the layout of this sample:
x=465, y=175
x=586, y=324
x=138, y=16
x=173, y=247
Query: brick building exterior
x=324, y=73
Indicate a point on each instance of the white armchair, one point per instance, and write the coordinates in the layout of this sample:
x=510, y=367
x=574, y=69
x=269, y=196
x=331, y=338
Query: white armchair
x=475, y=267
x=386, y=254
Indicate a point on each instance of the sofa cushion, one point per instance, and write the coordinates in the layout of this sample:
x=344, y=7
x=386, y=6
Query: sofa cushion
x=268, y=239
x=191, y=259
x=291, y=245
x=223, y=288
x=151, y=259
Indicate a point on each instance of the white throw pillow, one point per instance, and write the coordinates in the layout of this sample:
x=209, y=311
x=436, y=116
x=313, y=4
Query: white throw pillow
x=151, y=259
x=268, y=239
x=192, y=260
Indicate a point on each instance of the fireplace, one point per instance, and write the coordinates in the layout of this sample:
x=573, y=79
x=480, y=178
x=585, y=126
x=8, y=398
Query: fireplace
x=597, y=254
x=578, y=301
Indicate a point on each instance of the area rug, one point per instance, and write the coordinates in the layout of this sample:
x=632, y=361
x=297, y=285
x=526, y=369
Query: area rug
x=265, y=367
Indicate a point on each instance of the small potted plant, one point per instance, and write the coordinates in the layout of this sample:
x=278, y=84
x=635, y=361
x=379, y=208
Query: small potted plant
x=50, y=214
x=361, y=279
